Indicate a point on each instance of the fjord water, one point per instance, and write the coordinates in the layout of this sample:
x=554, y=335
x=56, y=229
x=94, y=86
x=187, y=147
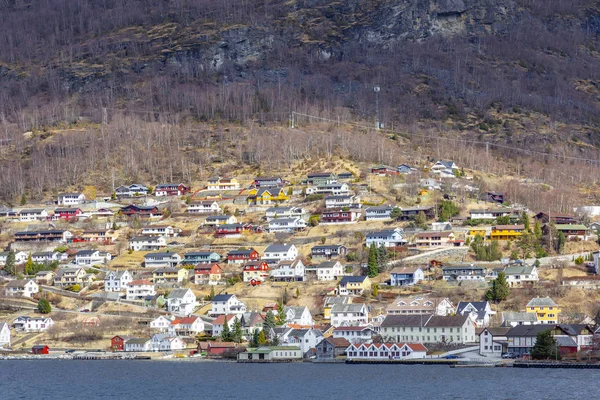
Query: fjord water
x=56, y=379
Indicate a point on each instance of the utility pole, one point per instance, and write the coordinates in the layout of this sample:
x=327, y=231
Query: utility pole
x=292, y=119
x=377, y=123
x=104, y=116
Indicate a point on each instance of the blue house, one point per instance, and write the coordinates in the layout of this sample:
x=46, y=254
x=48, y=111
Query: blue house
x=201, y=257
x=406, y=276
x=405, y=169
x=386, y=238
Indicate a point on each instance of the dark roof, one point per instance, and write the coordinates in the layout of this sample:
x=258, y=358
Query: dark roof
x=443, y=321
x=348, y=279
x=528, y=330
x=405, y=320
x=222, y=297
x=479, y=305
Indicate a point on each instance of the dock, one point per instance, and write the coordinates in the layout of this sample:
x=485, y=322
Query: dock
x=416, y=361
x=563, y=365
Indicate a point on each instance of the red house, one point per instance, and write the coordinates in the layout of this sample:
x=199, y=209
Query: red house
x=339, y=216
x=67, y=213
x=117, y=343
x=171, y=189
x=384, y=170
x=229, y=230
x=242, y=256
x=207, y=273
x=216, y=348
x=256, y=271
x=40, y=349
x=142, y=211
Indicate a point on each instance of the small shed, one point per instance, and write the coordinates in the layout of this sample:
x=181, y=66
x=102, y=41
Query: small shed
x=40, y=349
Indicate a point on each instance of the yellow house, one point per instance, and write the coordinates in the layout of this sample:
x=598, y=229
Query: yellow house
x=330, y=302
x=221, y=183
x=507, y=232
x=267, y=196
x=354, y=285
x=546, y=309
x=478, y=232
x=169, y=274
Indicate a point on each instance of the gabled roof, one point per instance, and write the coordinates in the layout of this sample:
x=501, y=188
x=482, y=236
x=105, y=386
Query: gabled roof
x=405, y=270
x=405, y=320
x=519, y=269
x=328, y=264
x=541, y=302
x=278, y=248
x=297, y=310
x=479, y=306
x=528, y=330
x=447, y=321
x=513, y=316
x=178, y=293
x=140, y=282
x=337, y=342
x=348, y=308
x=353, y=279
x=222, y=297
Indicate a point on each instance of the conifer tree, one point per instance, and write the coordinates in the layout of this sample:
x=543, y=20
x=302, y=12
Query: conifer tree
x=372, y=269
x=226, y=333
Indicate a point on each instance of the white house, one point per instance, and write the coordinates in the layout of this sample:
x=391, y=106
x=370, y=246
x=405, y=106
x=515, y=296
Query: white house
x=117, y=281
x=166, y=342
x=216, y=220
x=480, y=312
x=519, y=275
x=140, y=289
x=421, y=305
x=490, y=213
x=493, y=341
x=33, y=214
x=289, y=225
x=378, y=213
x=386, y=351
x=406, y=276
x=329, y=270
x=181, y=302
x=341, y=201
x=289, y=271
x=132, y=190
x=20, y=257
x=299, y=315
x=45, y=257
x=442, y=167
x=186, y=326
x=285, y=212
x=38, y=324
x=161, y=323
x=92, y=257
x=147, y=243
x=335, y=189
x=161, y=260
x=227, y=304
x=4, y=334
x=427, y=328
x=355, y=334
x=204, y=207
x=219, y=323
x=349, y=315
x=68, y=199
x=305, y=339
x=161, y=230
x=21, y=287
x=386, y=238
x=137, y=344
x=280, y=252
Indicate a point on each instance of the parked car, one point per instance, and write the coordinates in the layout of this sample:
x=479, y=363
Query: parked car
x=510, y=355
x=450, y=357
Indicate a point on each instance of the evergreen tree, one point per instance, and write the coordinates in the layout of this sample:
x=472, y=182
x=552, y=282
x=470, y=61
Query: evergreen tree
x=395, y=213
x=537, y=230
x=44, y=306
x=226, y=332
x=297, y=292
x=29, y=266
x=448, y=210
x=382, y=259
x=269, y=322
x=284, y=298
x=372, y=269
x=560, y=242
x=262, y=339
x=545, y=347
x=255, y=339
x=525, y=221
x=212, y=293
x=499, y=290
x=275, y=340
x=23, y=199
x=420, y=219
x=10, y=267
x=280, y=319
x=236, y=334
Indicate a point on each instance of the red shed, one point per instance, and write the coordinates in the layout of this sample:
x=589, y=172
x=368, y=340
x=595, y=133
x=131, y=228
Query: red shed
x=40, y=349
x=117, y=343
x=216, y=348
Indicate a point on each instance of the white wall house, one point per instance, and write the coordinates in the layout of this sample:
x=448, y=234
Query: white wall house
x=38, y=324
x=68, y=199
x=186, y=326
x=386, y=351
x=305, y=339
x=289, y=225
x=386, y=238
x=298, y=315
x=140, y=289
x=341, y=201
x=147, y=243
x=92, y=257
x=492, y=341
x=161, y=230
x=204, y=207
x=181, y=302
x=33, y=214
x=280, y=252
x=289, y=271
x=137, y=345
x=285, y=212
x=227, y=304
x=378, y=213
x=162, y=260
x=117, y=281
x=4, y=334
x=20, y=257
x=161, y=323
x=21, y=287
x=329, y=270
x=349, y=315
x=355, y=334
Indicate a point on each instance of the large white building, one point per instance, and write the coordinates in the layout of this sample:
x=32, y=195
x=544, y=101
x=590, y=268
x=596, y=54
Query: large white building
x=181, y=302
x=21, y=287
x=427, y=328
x=68, y=199
x=275, y=253
x=92, y=257
x=349, y=315
x=140, y=289
x=227, y=304
x=117, y=281
x=147, y=243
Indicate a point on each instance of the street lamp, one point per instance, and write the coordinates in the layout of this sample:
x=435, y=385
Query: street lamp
x=377, y=89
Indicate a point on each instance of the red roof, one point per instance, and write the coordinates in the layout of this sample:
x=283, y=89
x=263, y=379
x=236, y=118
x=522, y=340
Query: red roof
x=220, y=320
x=140, y=282
x=184, y=321
x=351, y=328
x=416, y=346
